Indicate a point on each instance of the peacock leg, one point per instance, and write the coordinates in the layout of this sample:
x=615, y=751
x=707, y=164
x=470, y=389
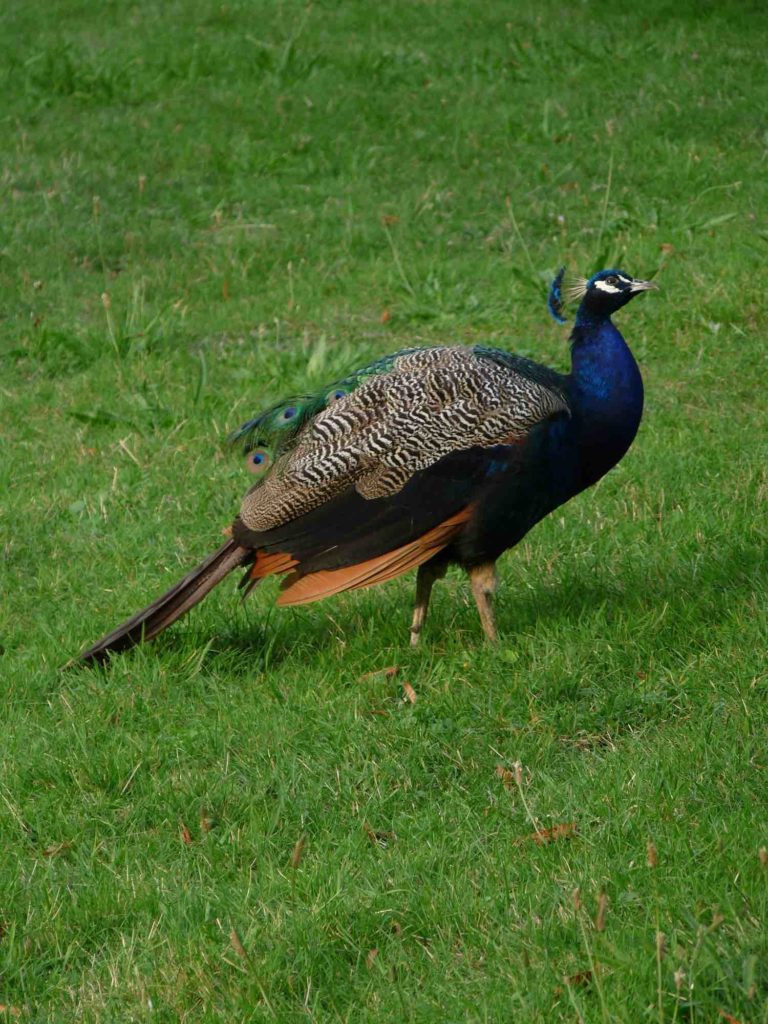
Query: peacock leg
x=483, y=580
x=428, y=574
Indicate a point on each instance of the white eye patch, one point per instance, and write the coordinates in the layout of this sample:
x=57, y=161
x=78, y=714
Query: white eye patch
x=611, y=288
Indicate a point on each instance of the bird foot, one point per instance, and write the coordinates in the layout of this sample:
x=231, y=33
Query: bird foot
x=484, y=581
x=428, y=573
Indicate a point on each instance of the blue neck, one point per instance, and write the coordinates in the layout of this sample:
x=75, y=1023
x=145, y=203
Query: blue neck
x=606, y=392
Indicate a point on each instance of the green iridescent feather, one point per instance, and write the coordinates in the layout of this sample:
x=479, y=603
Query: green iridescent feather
x=273, y=430
x=277, y=433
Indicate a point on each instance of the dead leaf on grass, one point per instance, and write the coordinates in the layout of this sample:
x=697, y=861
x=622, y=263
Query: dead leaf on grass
x=580, y=978
x=388, y=672
x=380, y=837
x=56, y=849
x=565, y=830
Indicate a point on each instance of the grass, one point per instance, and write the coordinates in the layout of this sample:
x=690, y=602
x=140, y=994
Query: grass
x=206, y=206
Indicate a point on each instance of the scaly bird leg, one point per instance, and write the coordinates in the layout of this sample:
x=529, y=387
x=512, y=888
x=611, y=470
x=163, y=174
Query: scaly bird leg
x=483, y=580
x=428, y=574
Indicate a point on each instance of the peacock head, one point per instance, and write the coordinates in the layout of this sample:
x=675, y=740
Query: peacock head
x=599, y=297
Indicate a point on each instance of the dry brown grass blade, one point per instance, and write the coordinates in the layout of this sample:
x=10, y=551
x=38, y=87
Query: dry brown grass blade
x=602, y=912
x=237, y=945
x=298, y=850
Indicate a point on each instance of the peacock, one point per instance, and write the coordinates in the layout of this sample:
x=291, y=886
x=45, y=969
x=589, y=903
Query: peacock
x=425, y=458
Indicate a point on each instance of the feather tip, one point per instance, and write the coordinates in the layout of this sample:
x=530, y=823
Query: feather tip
x=555, y=301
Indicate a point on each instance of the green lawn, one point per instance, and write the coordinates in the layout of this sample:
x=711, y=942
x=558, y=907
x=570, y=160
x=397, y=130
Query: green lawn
x=205, y=206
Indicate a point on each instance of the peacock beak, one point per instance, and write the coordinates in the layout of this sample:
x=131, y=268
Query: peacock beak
x=643, y=286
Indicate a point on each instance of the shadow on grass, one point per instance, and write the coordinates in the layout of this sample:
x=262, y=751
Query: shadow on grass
x=703, y=590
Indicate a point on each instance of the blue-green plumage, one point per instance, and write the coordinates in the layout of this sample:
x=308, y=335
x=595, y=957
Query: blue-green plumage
x=567, y=454
x=420, y=459
x=280, y=425
x=510, y=487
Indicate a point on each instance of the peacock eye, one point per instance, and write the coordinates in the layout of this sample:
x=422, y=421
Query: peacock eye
x=258, y=461
x=335, y=395
x=611, y=279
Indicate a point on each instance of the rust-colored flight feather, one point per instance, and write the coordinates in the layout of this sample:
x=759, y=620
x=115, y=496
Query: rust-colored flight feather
x=317, y=585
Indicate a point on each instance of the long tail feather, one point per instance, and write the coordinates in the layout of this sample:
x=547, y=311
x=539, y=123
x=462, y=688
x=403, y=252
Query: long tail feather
x=156, y=617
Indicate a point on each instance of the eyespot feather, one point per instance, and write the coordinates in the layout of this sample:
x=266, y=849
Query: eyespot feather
x=258, y=461
x=272, y=427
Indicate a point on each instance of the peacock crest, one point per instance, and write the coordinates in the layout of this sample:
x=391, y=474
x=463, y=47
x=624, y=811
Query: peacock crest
x=563, y=291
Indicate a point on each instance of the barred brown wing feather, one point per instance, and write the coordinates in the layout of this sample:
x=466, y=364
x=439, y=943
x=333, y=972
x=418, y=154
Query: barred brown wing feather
x=430, y=403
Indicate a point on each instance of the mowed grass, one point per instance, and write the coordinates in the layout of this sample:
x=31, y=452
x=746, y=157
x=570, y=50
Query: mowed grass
x=206, y=206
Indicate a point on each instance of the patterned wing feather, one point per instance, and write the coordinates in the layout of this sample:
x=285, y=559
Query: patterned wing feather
x=396, y=418
x=279, y=426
